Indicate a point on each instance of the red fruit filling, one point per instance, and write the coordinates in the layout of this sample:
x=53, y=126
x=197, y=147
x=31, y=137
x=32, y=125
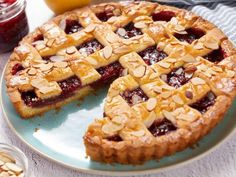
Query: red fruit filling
x=133, y=97
x=192, y=35
x=216, y=55
x=116, y=138
x=163, y=16
x=16, y=68
x=72, y=26
x=131, y=31
x=90, y=47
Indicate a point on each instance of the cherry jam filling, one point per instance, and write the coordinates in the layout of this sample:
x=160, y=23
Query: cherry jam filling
x=110, y=72
x=163, y=16
x=192, y=35
x=68, y=86
x=116, y=138
x=131, y=31
x=105, y=15
x=16, y=68
x=38, y=38
x=90, y=47
x=205, y=103
x=133, y=97
x=177, y=77
x=216, y=55
x=159, y=128
x=152, y=55
x=72, y=26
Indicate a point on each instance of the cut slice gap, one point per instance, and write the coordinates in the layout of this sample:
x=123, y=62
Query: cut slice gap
x=131, y=31
x=192, y=35
x=162, y=127
x=163, y=16
x=89, y=47
x=135, y=96
x=205, y=103
x=152, y=55
x=177, y=77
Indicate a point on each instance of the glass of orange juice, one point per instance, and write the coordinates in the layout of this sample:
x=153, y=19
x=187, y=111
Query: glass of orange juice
x=60, y=6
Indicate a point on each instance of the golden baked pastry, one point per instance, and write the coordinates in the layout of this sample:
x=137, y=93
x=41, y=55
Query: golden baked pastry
x=174, y=71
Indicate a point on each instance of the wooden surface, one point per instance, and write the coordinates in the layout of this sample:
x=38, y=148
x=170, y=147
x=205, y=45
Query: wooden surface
x=220, y=163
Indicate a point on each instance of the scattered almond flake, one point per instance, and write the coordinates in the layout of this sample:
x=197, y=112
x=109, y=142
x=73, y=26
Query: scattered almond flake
x=60, y=64
x=177, y=99
x=127, y=42
x=112, y=19
x=174, y=21
x=164, y=64
x=112, y=38
x=107, y=52
x=189, y=59
x=122, y=49
x=197, y=81
x=62, y=24
x=136, y=99
x=121, y=31
x=151, y=104
x=186, y=117
x=111, y=128
x=167, y=87
x=198, y=46
x=169, y=116
x=32, y=71
x=140, y=71
x=39, y=61
x=140, y=25
x=120, y=119
x=181, y=32
x=138, y=133
x=57, y=58
x=13, y=167
x=179, y=71
x=211, y=43
x=166, y=94
x=39, y=82
x=157, y=89
x=230, y=73
x=164, y=77
x=124, y=72
x=45, y=67
x=40, y=46
x=70, y=50
x=90, y=28
x=91, y=61
x=179, y=28
x=50, y=42
x=189, y=94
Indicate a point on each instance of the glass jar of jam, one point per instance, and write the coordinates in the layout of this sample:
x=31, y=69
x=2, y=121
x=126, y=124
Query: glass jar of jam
x=13, y=23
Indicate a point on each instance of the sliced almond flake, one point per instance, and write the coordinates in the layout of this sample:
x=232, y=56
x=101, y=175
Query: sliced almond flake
x=230, y=73
x=57, y=58
x=169, y=116
x=177, y=99
x=181, y=32
x=50, y=42
x=164, y=64
x=40, y=46
x=198, y=46
x=217, y=69
x=124, y=72
x=92, y=61
x=112, y=19
x=107, y=52
x=60, y=64
x=211, y=43
x=189, y=59
x=62, y=24
x=138, y=133
x=139, y=71
x=174, y=21
x=13, y=167
x=111, y=128
x=197, y=81
x=179, y=28
x=122, y=49
x=166, y=95
x=167, y=87
x=151, y=104
x=90, y=28
x=136, y=99
x=120, y=119
x=164, y=77
x=121, y=31
x=127, y=42
x=32, y=71
x=140, y=25
x=70, y=50
x=179, y=71
x=171, y=60
x=187, y=117
x=112, y=38
x=157, y=89
x=45, y=67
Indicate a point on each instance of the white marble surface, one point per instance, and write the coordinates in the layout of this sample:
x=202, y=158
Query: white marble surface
x=220, y=163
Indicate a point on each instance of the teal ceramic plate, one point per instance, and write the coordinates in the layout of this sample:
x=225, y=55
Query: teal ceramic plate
x=58, y=136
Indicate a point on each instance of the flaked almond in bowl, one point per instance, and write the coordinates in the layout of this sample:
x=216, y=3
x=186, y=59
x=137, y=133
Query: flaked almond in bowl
x=13, y=162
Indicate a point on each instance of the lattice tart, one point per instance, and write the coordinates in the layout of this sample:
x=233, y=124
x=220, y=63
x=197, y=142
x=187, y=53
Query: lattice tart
x=174, y=71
